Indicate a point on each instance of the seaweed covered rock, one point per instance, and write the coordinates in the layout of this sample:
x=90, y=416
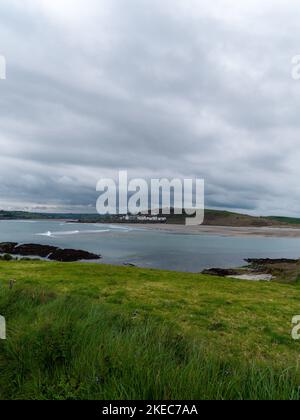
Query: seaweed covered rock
x=46, y=251
x=268, y=261
x=7, y=247
x=34, y=250
x=220, y=272
x=72, y=255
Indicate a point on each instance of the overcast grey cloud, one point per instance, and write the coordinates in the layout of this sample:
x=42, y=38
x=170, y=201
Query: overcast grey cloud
x=165, y=88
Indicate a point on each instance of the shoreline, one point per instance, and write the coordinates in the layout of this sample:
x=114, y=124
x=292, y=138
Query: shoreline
x=226, y=231
x=292, y=232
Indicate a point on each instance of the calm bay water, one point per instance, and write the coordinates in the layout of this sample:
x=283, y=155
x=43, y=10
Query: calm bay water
x=149, y=248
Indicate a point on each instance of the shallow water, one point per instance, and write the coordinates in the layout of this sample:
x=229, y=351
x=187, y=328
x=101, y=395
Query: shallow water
x=119, y=244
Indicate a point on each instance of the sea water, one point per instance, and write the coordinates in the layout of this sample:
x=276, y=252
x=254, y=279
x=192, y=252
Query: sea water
x=119, y=244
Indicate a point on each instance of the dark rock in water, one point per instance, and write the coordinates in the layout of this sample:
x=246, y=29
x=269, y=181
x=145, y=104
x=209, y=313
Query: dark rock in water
x=7, y=247
x=129, y=265
x=34, y=250
x=46, y=251
x=268, y=261
x=221, y=272
x=72, y=255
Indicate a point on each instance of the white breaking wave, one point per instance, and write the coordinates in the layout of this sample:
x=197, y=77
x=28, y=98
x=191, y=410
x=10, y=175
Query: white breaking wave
x=45, y=234
x=123, y=228
x=72, y=232
x=18, y=221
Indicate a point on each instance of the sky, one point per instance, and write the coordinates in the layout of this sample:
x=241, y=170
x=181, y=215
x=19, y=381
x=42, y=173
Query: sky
x=172, y=88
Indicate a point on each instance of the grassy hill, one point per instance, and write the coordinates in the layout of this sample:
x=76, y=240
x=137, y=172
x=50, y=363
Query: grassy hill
x=87, y=331
x=285, y=220
x=225, y=218
x=212, y=218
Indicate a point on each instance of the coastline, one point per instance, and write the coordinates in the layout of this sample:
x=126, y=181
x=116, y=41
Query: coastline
x=210, y=230
x=227, y=231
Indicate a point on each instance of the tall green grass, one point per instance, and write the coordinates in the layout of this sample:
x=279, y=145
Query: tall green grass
x=65, y=347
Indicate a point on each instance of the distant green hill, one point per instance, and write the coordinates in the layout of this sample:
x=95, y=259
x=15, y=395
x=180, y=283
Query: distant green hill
x=286, y=220
x=212, y=218
x=227, y=218
x=23, y=215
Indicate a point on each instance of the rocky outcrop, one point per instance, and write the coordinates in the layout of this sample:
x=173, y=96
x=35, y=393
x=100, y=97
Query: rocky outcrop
x=46, y=251
x=71, y=255
x=27, y=250
x=268, y=261
x=221, y=272
x=7, y=247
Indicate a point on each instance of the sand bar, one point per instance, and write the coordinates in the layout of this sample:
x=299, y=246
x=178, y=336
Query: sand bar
x=278, y=232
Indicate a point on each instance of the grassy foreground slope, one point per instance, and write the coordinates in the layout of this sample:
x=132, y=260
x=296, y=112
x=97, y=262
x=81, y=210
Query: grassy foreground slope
x=87, y=331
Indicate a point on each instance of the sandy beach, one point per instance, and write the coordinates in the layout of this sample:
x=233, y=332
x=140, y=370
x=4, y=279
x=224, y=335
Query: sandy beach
x=278, y=232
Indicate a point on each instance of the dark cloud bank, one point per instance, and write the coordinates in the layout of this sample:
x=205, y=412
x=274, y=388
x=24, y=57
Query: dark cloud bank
x=165, y=88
